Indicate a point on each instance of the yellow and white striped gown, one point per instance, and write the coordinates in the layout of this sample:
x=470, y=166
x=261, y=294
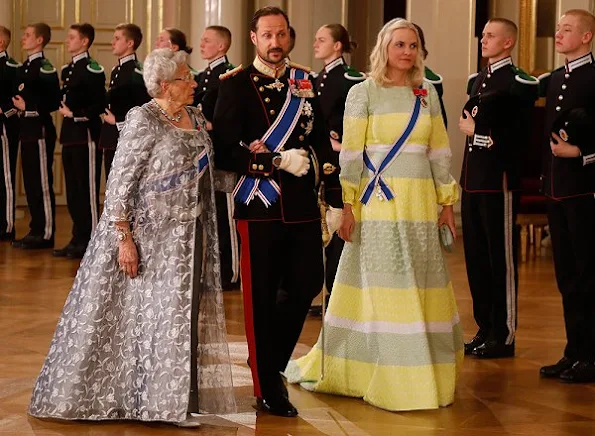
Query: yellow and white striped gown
x=392, y=333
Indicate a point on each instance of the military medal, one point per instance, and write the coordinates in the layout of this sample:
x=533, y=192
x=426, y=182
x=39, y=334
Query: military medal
x=275, y=85
x=301, y=88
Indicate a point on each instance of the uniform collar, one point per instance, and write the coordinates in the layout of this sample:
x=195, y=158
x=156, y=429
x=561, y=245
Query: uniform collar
x=34, y=56
x=130, y=57
x=80, y=56
x=339, y=61
x=583, y=60
x=499, y=64
x=217, y=62
x=3, y=54
x=268, y=71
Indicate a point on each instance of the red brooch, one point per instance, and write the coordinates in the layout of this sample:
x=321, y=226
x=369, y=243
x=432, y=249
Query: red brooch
x=420, y=92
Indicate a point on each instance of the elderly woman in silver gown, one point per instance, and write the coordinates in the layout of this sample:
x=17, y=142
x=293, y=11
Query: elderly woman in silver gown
x=142, y=334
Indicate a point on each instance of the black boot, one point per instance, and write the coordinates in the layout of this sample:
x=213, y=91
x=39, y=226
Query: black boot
x=554, y=371
x=493, y=350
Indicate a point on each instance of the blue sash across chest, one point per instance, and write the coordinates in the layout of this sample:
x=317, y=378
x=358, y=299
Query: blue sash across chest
x=376, y=181
x=266, y=188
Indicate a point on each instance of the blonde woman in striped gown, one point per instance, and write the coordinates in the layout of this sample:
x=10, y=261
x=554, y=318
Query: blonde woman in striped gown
x=392, y=333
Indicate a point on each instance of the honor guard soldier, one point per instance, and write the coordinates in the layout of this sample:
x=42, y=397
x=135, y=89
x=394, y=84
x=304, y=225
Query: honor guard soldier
x=214, y=44
x=496, y=121
x=9, y=131
x=332, y=85
x=268, y=129
x=430, y=76
x=126, y=89
x=83, y=102
x=38, y=95
x=569, y=184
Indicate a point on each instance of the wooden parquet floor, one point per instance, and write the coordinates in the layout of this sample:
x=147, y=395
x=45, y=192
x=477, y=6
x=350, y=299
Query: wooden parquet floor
x=496, y=397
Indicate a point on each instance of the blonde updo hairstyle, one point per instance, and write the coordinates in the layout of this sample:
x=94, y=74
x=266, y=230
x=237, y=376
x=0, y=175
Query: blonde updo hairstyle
x=379, y=57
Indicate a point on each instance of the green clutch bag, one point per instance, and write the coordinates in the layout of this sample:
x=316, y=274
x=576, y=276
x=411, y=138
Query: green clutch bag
x=446, y=239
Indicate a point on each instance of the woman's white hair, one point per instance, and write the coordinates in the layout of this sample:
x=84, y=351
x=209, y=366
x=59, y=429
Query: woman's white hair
x=379, y=56
x=161, y=66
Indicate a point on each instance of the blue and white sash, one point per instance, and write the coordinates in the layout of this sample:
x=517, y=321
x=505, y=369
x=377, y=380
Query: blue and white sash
x=376, y=181
x=274, y=138
x=176, y=180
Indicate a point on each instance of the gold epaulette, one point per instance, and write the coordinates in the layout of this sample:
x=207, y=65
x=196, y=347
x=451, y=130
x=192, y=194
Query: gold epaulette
x=231, y=73
x=299, y=66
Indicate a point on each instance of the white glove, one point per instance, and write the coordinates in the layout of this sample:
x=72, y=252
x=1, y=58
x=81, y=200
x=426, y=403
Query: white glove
x=334, y=215
x=295, y=161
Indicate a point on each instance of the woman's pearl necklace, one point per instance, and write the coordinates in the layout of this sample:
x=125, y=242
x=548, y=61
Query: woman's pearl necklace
x=173, y=118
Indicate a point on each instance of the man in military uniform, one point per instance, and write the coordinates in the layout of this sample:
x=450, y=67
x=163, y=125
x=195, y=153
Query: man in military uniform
x=126, y=89
x=9, y=132
x=569, y=184
x=38, y=95
x=496, y=121
x=214, y=44
x=268, y=130
x=83, y=101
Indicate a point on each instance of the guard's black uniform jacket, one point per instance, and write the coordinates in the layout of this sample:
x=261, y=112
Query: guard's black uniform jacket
x=83, y=92
x=571, y=86
x=570, y=185
x=37, y=82
x=496, y=147
x=502, y=96
x=38, y=85
x=247, y=105
x=208, y=85
x=436, y=80
x=9, y=130
x=332, y=86
x=282, y=244
x=126, y=90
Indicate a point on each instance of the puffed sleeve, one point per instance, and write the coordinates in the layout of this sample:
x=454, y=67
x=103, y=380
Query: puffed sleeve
x=447, y=189
x=355, y=124
x=130, y=162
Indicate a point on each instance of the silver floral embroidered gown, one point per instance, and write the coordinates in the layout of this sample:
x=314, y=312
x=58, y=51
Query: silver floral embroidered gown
x=122, y=348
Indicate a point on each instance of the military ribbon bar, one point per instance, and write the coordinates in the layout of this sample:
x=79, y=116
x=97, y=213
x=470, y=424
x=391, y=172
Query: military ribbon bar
x=266, y=188
x=376, y=181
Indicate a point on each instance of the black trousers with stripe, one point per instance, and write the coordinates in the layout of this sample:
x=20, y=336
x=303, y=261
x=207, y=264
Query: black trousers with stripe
x=9, y=131
x=82, y=173
x=37, y=159
x=275, y=253
x=572, y=228
x=490, y=243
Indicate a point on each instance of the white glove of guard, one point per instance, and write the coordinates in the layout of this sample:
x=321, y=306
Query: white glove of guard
x=295, y=161
x=334, y=215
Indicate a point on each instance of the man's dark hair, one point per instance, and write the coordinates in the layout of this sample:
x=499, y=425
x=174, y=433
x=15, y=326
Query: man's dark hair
x=43, y=30
x=265, y=12
x=133, y=32
x=291, y=38
x=85, y=30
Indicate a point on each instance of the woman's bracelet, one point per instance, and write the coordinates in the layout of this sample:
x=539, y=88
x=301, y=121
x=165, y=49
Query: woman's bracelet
x=122, y=234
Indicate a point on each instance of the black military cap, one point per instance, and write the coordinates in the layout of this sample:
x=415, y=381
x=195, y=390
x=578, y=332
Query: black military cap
x=487, y=103
x=575, y=126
